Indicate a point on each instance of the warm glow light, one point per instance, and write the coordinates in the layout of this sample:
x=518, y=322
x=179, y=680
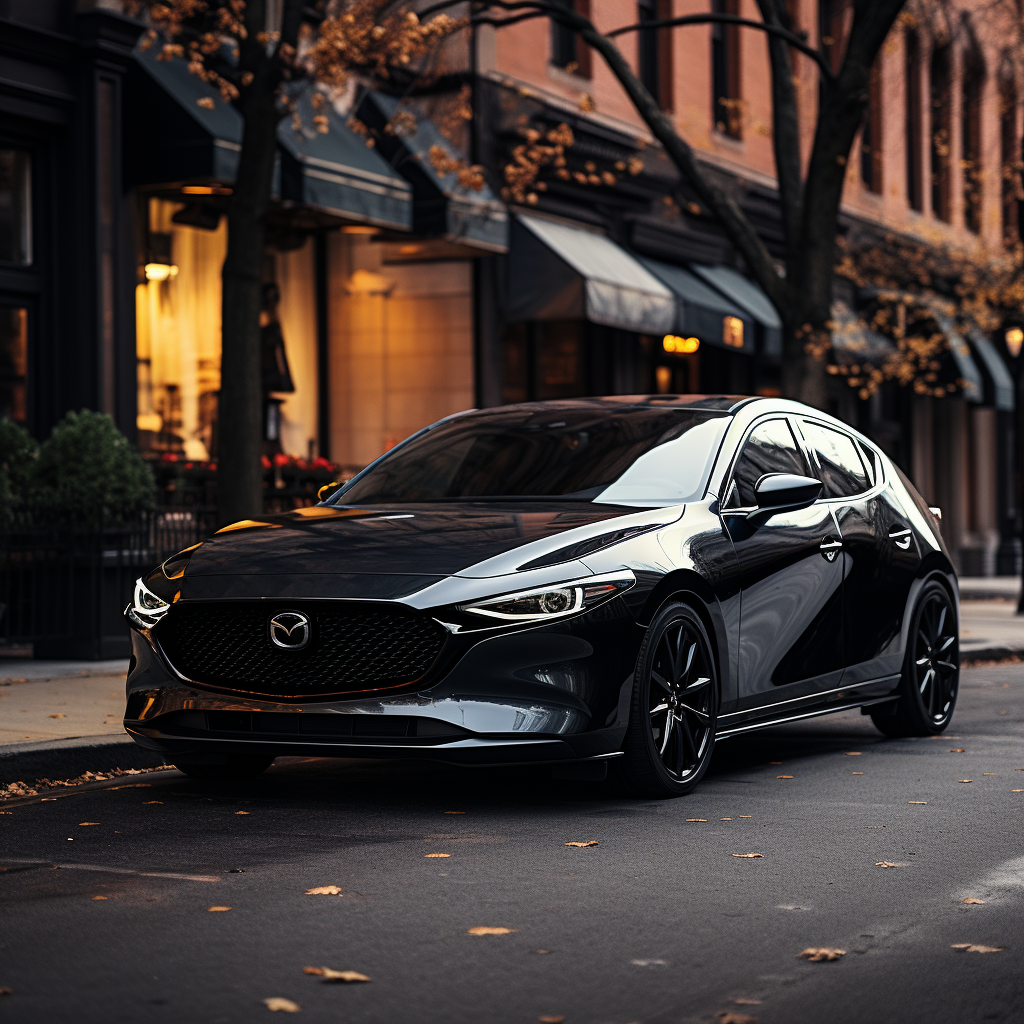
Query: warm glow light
x=205, y=190
x=149, y=421
x=160, y=271
x=359, y=229
x=1014, y=340
x=732, y=331
x=673, y=343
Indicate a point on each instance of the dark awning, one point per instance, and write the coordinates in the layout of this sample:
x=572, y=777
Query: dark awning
x=560, y=272
x=442, y=206
x=998, y=376
x=751, y=297
x=175, y=139
x=971, y=382
x=854, y=342
x=700, y=309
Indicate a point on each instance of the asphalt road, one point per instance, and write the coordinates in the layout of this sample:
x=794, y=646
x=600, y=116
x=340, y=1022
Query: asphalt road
x=104, y=903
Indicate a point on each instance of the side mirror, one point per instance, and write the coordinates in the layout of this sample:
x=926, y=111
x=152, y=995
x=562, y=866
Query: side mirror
x=324, y=491
x=783, y=492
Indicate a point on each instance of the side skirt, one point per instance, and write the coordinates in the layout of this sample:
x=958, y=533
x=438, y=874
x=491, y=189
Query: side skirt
x=764, y=723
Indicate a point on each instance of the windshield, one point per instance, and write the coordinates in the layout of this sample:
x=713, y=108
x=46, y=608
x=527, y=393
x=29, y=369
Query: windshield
x=641, y=456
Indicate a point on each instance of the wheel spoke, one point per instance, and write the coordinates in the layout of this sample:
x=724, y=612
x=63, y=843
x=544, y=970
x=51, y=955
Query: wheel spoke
x=947, y=643
x=667, y=734
x=699, y=684
x=658, y=710
x=926, y=680
x=702, y=716
x=683, y=744
x=691, y=747
x=661, y=680
x=947, y=665
x=942, y=622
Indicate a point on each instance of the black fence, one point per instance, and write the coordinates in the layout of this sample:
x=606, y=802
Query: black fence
x=63, y=590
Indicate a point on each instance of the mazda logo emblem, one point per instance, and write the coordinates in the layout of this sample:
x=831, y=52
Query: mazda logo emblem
x=290, y=630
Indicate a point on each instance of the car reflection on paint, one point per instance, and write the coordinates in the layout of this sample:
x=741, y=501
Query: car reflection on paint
x=612, y=580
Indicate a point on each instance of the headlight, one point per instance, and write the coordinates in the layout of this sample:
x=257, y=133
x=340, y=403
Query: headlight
x=146, y=609
x=553, y=602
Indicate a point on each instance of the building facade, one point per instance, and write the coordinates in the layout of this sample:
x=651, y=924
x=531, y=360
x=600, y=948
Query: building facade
x=395, y=294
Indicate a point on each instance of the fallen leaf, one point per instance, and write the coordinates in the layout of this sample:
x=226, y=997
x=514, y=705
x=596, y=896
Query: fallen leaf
x=917, y=801
x=783, y=776
x=964, y=780
x=88, y=823
x=1017, y=790
x=542, y=952
x=819, y=954
x=331, y=975
x=1001, y=712
x=58, y=716
x=9, y=991
x=957, y=750
x=853, y=753
x=484, y=930
x=747, y=1002
x=885, y=864
x=324, y=890
x=973, y=899
x=216, y=910
x=649, y=963
x=100, y=897
x=696, y=819
x=437, y=855
x=592, y=842
x=856, y=773
x=551, y=1020
x=744, y=815
x=725, y=819
x=146, y=803
x=874, y=826
x=970, y=947
x=775, y=762
x=280, y=1003
x=746, y=855
x=243, y=812
x=728, y=1017
x=988, y=773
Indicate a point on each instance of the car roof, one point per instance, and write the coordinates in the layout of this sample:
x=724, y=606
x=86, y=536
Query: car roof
x=615, y=403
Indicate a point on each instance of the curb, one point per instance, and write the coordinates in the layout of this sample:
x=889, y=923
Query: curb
x=69, y=758
x=994, y=652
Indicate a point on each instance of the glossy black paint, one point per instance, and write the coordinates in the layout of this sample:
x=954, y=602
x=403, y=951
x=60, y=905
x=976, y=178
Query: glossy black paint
x=806, y=611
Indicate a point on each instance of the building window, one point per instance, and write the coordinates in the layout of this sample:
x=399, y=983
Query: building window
x=941, y=140
x=970, y=139
x=15, y=207
x=871, y=135
x=912, y=129
x=14, y=363
x=567, y=52
x=655, y=51
x=726, y=103
x=1009, y=158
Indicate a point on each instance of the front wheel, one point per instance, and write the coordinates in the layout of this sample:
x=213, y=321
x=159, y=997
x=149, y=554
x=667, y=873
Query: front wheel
x=931, y=670
x=237, y=768
x=674, y=710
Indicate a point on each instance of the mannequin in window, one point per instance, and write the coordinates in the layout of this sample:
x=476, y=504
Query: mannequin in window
x=276, y=375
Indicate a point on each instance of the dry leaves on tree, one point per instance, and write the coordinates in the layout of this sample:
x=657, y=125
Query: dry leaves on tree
x=970, y=947
x=819, y=954
x=331, y=975
x=324, y=890
x=281, y=1004
x=485, y=930
x=591, y=842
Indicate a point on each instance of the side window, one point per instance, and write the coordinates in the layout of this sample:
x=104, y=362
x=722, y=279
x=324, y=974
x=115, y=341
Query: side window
x=770, y=448
x=842, y=471
x=870, y=463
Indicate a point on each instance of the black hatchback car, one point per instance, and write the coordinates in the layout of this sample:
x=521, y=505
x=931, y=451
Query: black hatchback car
x=611, y=579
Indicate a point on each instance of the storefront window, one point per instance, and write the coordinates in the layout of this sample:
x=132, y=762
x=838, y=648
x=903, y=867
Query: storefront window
x=178, y=307
x=15, y=207
x=13, y=363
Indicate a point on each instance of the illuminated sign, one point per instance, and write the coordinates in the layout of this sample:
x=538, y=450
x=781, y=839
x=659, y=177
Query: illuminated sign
x=732, y=331
x=684, y=346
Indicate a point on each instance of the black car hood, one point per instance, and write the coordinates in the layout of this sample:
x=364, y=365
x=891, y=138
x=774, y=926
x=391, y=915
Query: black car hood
x=399, y=539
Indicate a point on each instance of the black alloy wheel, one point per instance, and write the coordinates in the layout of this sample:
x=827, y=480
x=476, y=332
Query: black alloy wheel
x=236, y=768
x=674, y=710
x=931, y=669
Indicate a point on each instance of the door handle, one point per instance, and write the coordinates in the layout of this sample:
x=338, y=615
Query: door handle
x=830, y=548
x=901, y=538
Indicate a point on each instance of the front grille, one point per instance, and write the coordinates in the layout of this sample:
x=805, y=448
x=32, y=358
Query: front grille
x=353, y=647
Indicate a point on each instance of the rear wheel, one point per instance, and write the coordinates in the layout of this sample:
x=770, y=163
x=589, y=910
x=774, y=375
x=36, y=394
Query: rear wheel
x=237, y=768
x=672, y=719
x=931, y=669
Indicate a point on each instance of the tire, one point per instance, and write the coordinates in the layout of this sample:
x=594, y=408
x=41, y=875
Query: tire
x=674, y=709
x=237, y=768
x=931, y=669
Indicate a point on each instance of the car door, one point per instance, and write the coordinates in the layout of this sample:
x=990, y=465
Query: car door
x=789, y=574
x=880, y=553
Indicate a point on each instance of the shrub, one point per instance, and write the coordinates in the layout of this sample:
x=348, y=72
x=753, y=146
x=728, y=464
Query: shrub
x=18, y=453
x=89, y=475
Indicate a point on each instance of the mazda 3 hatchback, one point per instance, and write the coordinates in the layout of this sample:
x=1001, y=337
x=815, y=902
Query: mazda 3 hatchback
x=611, y=579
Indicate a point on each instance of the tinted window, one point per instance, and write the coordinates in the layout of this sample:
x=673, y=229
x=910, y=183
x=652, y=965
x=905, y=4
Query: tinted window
x=628, y=456
x=842, y=471
x=770, y=448
x=870, y=460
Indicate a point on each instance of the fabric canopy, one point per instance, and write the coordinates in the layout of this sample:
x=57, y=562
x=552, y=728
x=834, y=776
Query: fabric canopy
x=999, y=375
x=180, y=140
x=972, y=384
x=751, y=297
x=700, y=309
x=442, y=204
x=560, y=272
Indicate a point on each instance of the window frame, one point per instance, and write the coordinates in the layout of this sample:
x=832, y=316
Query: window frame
x=876, y=480
x=801, y=444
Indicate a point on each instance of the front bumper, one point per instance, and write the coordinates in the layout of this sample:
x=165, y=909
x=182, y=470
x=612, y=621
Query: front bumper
x=551, y=694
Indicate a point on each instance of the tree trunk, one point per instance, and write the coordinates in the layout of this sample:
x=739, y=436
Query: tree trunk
x=240, y=416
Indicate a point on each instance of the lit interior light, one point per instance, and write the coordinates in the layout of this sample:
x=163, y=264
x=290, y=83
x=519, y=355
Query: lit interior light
x=732, y=331
x=359, y=229
x=149, y=421
x=673, y=343
x=205, y=190
x=160, y=271
x=1014, y=340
